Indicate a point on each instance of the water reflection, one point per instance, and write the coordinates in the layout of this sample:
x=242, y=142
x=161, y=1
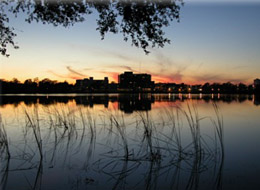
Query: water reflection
x=127, y=103
x=92, y=100
x=256, y=100
x=131, y=103
x=171, y=147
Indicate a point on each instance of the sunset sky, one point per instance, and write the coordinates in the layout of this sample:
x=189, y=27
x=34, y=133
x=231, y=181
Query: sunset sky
x=213, y=42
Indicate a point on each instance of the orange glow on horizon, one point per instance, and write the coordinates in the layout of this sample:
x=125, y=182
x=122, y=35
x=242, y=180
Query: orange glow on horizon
x=161, y=79
x=113, y=77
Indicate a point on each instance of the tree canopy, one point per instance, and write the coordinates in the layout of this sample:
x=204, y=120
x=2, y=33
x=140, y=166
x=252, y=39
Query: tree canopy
x=140, y=21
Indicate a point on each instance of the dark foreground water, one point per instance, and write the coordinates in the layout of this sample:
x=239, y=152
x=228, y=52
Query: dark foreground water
x=129, y=142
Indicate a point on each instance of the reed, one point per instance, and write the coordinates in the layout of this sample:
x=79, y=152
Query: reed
x=158, y=142
x=91, y=123
x=219, y=127
x=148, y=136
x=193, y=120
x=4, y=144
x=34, y=122
x=175, y=125
x=219, y=130
x=121, y=129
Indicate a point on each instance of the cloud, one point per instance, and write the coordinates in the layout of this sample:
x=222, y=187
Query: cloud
x=157, y=76
x=56, y=74
x=67, y=76
x=72, y=71
x=113, y=75
x=97, y=51
x=120, y=56
x=241, y=67
x=167, y=69
x=72, y=62
x=163, y=67
x=171, y=73
x=168, y=78
x=87, y=69
x=219, y=78
x=72, y=74
x=125, y=68
x=125, y=57
x=162, y=60
x=199, y=66
x=175, y=75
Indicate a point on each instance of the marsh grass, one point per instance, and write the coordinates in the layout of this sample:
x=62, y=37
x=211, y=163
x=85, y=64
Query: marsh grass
x=219, y=128
x=4, y=144
x=4, y=172
x=89, y=121
x=152, y=145
x=166, y=150
x=175, y=125
x=219, y=132
x=4, y=155
x=120, y=127
x=148, y=136
x=34, y=123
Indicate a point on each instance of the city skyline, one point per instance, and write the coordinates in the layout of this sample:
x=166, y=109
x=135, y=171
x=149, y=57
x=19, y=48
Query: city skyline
x=128, y=82
x=213, y=42
x=106, y=78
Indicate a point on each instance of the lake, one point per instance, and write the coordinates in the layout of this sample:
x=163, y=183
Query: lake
x=122, y=141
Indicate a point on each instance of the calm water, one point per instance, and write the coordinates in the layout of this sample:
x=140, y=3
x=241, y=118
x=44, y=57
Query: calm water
x=130, y=142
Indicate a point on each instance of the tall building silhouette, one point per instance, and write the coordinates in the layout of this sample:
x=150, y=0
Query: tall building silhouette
x=257, y=82
x=257, y=85
x=128, y=81
x=92, y=84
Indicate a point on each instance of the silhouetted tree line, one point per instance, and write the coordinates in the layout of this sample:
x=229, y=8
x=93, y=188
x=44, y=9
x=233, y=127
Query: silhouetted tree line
x=35, y=86
x=228, y=88
x=51, y=86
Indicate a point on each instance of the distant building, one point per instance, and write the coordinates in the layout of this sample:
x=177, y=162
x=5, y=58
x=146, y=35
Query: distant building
x=132, y=103
x=92, y=100
x=257, y=86
x=91, y=84
x=165, y=87
x=128, y=81
x=257, y=82
x=112, y=87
